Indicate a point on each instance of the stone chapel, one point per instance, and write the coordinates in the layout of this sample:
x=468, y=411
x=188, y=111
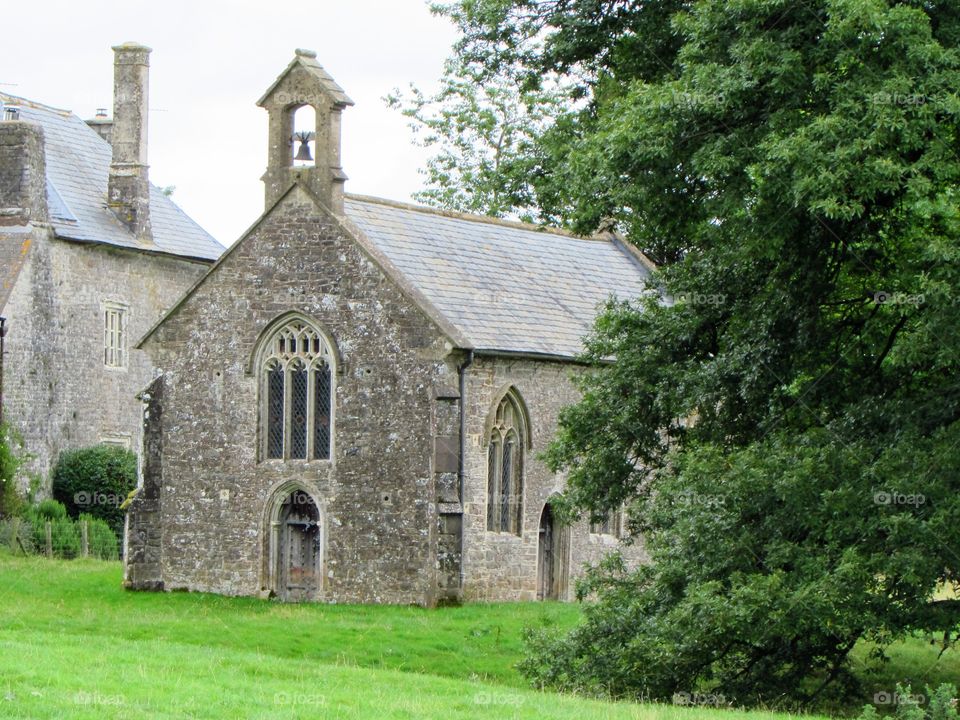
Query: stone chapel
x=351, y=402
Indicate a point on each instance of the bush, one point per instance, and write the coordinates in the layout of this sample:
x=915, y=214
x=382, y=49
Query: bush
x=66, y=534
x=36, y=533
x=11, y=458
x=66, y=538
x=941, y=704
x=102, y=542
x=51, y=510
x=95, y=481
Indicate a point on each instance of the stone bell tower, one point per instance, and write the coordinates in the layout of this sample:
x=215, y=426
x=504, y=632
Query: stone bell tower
x=305, y=83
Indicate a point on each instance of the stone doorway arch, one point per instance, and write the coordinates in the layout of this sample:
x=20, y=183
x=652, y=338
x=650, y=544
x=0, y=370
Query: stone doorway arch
x=296, y=546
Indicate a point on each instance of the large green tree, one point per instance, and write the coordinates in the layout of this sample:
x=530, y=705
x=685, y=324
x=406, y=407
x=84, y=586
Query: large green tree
x=781, y=418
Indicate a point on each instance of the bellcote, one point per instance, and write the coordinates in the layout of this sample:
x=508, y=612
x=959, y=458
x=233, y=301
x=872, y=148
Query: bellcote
x=304, y=106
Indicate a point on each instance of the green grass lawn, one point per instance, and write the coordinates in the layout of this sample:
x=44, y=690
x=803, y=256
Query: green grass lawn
x=74, y=644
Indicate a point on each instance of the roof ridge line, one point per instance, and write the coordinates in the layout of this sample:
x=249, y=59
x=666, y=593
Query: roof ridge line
x=474, y=217
x=35, y=104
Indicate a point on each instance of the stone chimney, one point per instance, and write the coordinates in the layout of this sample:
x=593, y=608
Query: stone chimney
x=103, y=124
x=23, y=173
x=128, y=190
x=305, y=83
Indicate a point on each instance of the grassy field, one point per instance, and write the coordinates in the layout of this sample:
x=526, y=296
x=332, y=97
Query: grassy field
x=73, y=644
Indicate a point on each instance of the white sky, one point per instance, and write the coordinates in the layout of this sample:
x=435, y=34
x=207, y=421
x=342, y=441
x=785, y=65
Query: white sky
x=211, y=62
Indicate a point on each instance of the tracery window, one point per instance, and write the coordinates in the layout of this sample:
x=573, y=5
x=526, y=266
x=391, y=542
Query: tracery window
x=296, y=395
x=505, y=455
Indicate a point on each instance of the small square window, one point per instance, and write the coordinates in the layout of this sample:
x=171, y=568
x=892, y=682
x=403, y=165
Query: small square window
x=115, y=336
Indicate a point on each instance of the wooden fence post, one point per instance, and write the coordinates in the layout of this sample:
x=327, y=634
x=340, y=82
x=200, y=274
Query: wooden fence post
x=17, y=524
x=84, y=538
x=48, y=526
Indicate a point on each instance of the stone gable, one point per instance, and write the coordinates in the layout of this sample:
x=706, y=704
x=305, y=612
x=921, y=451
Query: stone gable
x=376, y=493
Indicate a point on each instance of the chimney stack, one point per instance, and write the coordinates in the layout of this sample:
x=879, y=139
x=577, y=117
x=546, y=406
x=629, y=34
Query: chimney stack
x=23, y=175
x=103, y=124
x=128, y=190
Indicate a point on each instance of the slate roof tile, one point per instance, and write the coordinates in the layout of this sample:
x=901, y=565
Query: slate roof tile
x=503, y=286
x=78, y=165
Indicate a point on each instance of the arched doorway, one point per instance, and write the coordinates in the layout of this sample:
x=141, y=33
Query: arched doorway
x=297, y=549
x=552, y=550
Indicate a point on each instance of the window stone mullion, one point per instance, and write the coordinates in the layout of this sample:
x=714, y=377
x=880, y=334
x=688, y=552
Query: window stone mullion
x=287, y=408
x=311, y=409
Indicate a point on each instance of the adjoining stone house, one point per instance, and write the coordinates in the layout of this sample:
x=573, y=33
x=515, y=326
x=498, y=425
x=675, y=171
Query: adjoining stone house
x=353, y=399
x=91, y=255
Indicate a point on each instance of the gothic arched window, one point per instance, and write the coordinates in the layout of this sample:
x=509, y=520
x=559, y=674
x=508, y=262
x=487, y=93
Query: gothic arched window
x=505, y=455
x=296, y=394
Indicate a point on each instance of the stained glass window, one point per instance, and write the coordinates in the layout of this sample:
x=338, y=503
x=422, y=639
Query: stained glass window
x=298, y=411
x=505, y=468
x=493, y=455
x=321, y=424
x=297, y=394
x=275, y=378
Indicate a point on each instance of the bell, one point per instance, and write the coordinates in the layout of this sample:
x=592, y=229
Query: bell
x=303, y=153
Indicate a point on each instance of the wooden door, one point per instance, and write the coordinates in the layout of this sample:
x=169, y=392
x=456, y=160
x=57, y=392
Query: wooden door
x=546, y=551
x=299, y=549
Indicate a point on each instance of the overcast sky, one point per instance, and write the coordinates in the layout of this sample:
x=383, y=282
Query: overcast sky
x=211, y=61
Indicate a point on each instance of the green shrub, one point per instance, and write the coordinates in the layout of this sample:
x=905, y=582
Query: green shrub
x=64, y=534
x=51, y=510
x=102, y=542
x=35, y=523
x=66, y=538
x=939, y=704
x=32, y=516
x=29, y=533
x=11, y=458
x=96, y=481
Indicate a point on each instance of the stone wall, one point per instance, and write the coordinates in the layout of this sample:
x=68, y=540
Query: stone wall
x=142, y=537
x=377, y=494
x=23, y=193
x=500, y=566
x=57, y=390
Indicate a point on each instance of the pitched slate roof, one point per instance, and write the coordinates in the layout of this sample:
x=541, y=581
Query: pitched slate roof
x=78, y=164
x=504, y=286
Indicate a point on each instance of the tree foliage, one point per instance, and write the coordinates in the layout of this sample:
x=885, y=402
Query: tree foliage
x=781, y=418
x=96, y=480
x=11, y=459
x=939, y=704
x=482, y=128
